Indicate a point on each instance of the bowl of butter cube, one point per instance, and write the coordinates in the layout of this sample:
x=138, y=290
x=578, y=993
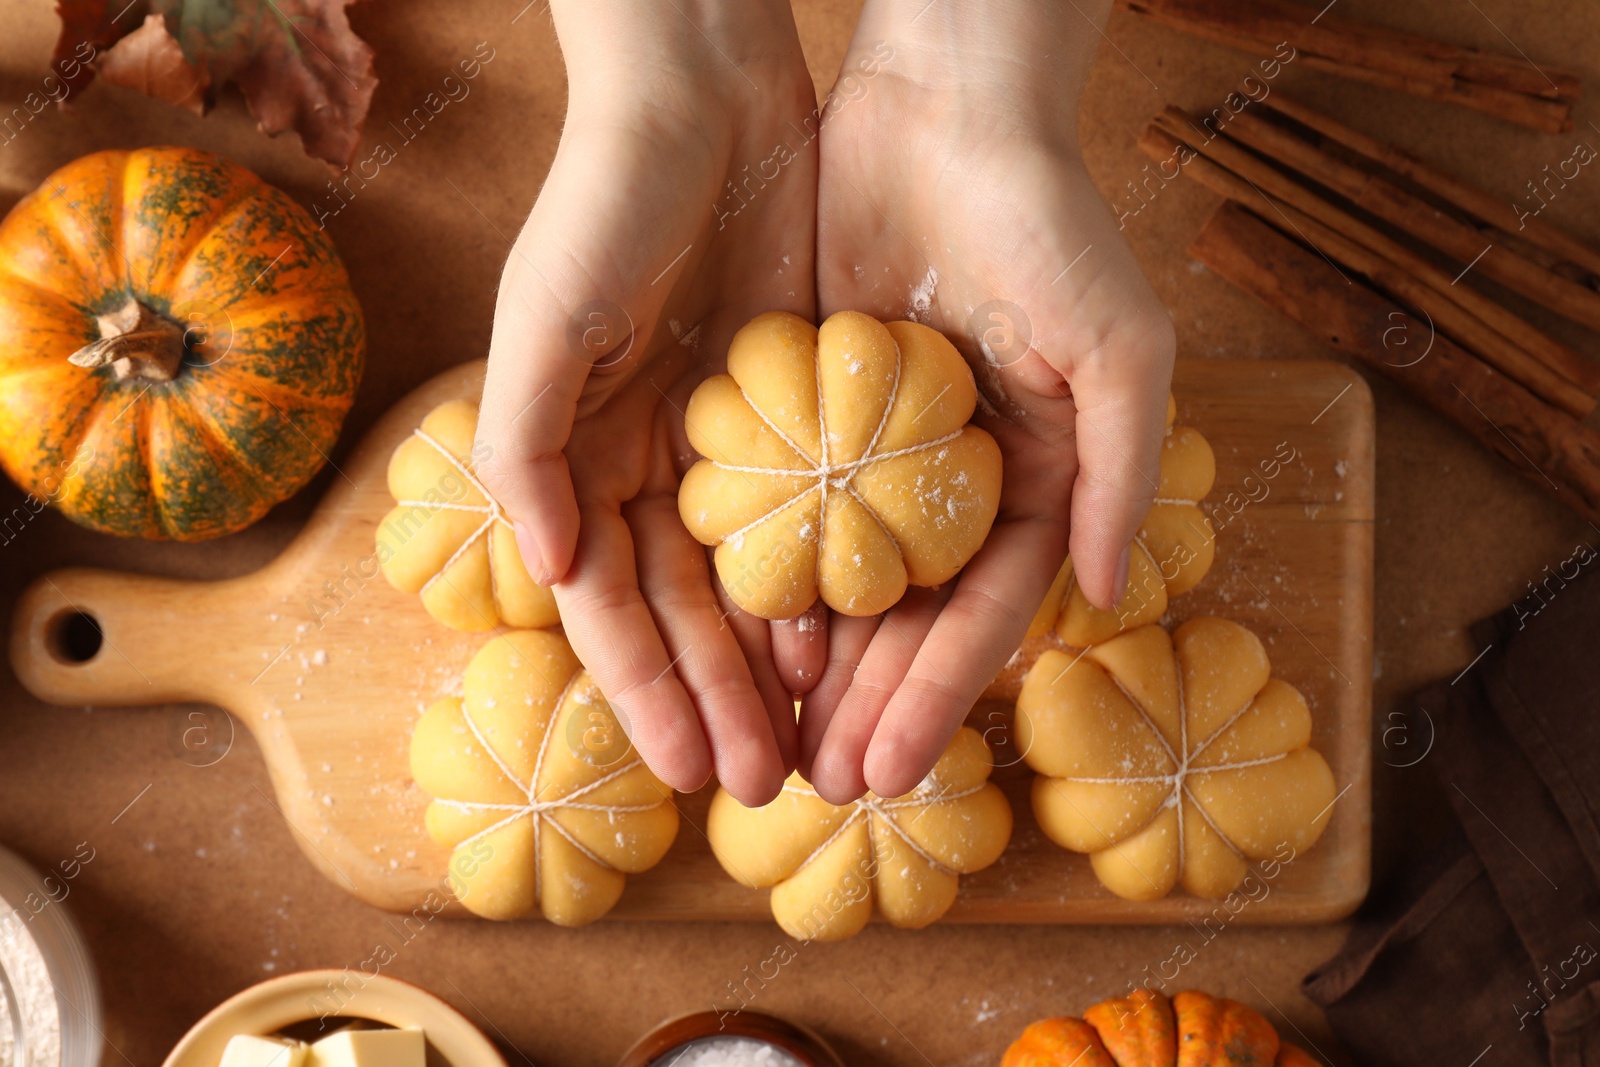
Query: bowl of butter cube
x=333, y=1018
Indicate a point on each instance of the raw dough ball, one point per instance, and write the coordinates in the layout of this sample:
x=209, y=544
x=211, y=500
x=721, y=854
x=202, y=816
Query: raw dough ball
x=838, y=461
x=447, y=537
x=825, y=863
x=1172, y=759
x=1171, y=552
x=536, y=788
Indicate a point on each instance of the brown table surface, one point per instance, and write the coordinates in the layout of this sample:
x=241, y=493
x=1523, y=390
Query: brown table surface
x=199, y=890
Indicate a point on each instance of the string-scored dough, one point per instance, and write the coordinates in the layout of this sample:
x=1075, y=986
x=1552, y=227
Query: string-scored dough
x=447, y=539
x=536, y=790
x=826, y=863
x=1172, y=759
x=1171, y=552
x=838, y=462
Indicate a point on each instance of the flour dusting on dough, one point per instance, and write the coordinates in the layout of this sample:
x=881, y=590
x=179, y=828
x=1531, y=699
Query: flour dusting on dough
x=922, y=296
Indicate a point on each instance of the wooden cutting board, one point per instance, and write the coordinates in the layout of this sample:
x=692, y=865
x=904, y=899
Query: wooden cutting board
x=329, y=667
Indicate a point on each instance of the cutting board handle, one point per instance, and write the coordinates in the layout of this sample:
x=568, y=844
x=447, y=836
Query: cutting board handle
x=82, y=636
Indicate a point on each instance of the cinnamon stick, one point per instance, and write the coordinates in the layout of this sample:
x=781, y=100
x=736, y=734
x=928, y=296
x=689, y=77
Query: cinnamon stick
x=1491, y=209
x=1445, y=314
x=1546, y=116
x=1465, y=242
x=1347, y=40
x=1497, y=84
x=1562, y=360
x=1552, y=450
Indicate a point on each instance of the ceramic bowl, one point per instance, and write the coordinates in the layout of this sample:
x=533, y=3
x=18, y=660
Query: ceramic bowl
x=295, y=999
x=796, y=1040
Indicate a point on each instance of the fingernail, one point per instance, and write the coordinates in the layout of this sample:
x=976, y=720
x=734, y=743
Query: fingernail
x=1120, y=581
x=532, y=561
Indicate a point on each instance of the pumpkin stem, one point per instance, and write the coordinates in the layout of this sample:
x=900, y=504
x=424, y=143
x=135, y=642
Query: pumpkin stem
x=137, y=343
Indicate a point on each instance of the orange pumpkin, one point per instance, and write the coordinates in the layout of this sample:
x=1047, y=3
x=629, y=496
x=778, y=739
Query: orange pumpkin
x=1146, y=1029
x=178, y=344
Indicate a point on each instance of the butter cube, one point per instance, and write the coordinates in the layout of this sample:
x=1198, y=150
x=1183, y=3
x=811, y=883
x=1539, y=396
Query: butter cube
x=248, y=1050
x=369, y=1048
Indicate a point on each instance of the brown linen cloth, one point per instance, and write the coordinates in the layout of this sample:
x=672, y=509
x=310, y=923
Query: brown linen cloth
x=1489, y=949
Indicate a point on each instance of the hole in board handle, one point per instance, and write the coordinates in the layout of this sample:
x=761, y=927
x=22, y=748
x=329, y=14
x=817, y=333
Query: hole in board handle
x=74, y=638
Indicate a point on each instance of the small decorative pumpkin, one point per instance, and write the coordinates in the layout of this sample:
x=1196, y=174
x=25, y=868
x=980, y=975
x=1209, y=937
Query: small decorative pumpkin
x=447, y=538
x=838, y=462
x=1172, y=759
x=178, y=344
x=1172, y=550
x=826, y=862
x=536, y=789
x=1146, y=1029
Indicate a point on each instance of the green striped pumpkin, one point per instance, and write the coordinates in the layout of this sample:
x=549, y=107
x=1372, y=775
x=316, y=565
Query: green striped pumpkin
x=179, y=344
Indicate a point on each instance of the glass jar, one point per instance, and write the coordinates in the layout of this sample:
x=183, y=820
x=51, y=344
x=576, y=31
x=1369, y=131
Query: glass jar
x=49, y=999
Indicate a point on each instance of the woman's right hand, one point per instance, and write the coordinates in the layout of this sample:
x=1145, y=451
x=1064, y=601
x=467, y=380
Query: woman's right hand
x=660, y=230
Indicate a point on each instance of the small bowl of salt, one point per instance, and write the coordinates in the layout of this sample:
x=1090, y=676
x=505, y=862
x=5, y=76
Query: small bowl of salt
x=713, y=1039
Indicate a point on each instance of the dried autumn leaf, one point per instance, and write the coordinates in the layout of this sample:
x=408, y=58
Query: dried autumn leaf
x=88, y=28
x=298, y=63
x=149, y=61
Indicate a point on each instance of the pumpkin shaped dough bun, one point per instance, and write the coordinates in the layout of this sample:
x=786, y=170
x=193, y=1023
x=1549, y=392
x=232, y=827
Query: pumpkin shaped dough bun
x=447, y=539
x=1172, y=759
x=838, y=462
x=536, y=790
x=826, y=862
x=1172, y=550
